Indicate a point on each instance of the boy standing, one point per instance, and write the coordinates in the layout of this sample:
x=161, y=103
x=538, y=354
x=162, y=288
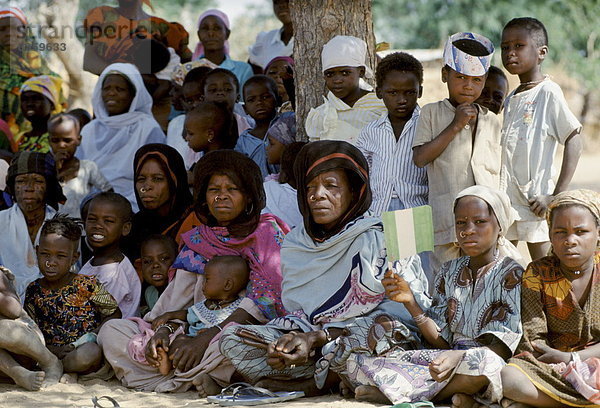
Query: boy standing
x=458, y=140
x=536, y=119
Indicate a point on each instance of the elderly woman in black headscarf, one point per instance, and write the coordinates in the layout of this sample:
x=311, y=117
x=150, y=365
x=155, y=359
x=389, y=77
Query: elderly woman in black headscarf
x=228, y=200
x=162, y=193
x=332, y=267
x=33, y=184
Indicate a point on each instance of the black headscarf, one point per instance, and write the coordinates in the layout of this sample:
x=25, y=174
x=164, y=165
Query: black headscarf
x=38, y=163
x=245, y=174
x=318, y=157
x=148, y=222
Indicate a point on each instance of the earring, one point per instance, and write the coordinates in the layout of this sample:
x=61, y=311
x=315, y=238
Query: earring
x=249, y=211
x=501, y=240
x=456, y=244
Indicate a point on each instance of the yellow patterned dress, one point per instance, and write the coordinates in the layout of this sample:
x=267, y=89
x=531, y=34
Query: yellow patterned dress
x=551, y=315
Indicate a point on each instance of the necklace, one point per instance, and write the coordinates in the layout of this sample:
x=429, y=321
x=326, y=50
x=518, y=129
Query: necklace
x=533, y=82
x=217, y=305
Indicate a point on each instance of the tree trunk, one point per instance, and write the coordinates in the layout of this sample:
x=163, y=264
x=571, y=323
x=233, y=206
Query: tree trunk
x=315, y=23
x=58, y=17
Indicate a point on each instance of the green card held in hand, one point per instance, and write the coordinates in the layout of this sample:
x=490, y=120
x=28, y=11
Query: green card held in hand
x=408, y=232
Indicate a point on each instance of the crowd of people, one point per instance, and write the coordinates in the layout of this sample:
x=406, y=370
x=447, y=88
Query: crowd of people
x=181, y=237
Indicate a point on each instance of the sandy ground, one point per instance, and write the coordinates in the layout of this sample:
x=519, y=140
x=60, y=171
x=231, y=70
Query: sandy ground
x=79, y=395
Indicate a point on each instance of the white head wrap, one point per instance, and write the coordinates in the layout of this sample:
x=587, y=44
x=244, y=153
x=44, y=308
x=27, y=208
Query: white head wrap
x=345, y=51
x=504, y=212
x=465, y=63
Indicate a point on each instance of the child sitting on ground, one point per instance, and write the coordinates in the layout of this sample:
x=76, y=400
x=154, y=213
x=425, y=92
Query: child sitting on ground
x=536, y=119
x=348, y=107
x=494, y=91
x=20, y=335
x=457, y=140
x=77, y=177
x=108, y=220
x=260, y=102
x=68, y=308
x=224, y=278
x=157, y=253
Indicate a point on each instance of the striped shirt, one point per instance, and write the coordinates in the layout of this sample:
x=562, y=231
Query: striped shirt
x=392, y=170
x=334, y=120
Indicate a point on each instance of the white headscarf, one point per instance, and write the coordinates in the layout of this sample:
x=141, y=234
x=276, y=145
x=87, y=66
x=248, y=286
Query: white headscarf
x=345, y=51
x=465, y=63
x=111, y=141
x=504, y=212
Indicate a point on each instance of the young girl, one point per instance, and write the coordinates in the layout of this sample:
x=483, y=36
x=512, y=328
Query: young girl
x=473, y=324
x=20, y=335
x=78, y=178
x=213, y=32
x=40, y=98
x=348, y=107
x=260, y=102
x=224, y=278
x=68, y=308
x=281, y=69
x=559, y=311
x=157, y=254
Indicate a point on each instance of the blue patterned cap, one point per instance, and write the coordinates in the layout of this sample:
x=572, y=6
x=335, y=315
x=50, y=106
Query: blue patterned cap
x=465, y=63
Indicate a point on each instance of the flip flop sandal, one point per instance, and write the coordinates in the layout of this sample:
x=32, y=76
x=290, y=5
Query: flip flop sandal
x=418, y=404
x=243, y=394
x=97, y=404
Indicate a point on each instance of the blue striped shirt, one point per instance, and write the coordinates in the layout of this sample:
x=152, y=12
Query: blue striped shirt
x=392, y=170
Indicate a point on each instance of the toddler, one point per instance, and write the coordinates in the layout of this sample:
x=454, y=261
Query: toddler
x=494, y=91
x=458, y=140
x=536, y=120
x=224, y=278
x=20, y=335
x=348, y=107
x=260, y=102
x=78, y=178
x=69, y=308
x=157, y=253
x=108, y=220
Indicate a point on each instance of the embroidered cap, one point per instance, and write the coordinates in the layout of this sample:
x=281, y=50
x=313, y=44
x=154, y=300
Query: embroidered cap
x=467, y=64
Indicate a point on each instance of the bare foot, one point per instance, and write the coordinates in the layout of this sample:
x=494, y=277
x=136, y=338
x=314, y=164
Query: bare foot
x=307, y=385
x=346, y=390
x=53, y=370
x=464, y=401
x=370, y=393
x=206, y=386
x=508, y=403
x=164, y=364
x=30, y=380
x=69, y=378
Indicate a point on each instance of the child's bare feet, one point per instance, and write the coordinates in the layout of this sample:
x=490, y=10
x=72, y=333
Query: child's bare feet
x=464, y=401
x=53, y=369
x=508, y=403
x=30, y=380
x=370, y=393
x=206, y=386
x=346, y=390
x=164, y=364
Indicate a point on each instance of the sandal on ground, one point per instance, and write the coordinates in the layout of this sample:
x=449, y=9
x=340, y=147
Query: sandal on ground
x=418, y=404
x=97, y=404
x=243, y=394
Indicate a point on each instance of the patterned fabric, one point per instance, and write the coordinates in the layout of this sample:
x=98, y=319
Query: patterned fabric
x=179, y=73
x=393, y=172
x=67, y=313
x=283, y=128
x=260, y=249
x=469, y=315
x=200, y=317
x=119, y=33
x=465, y=63
x=551, y=315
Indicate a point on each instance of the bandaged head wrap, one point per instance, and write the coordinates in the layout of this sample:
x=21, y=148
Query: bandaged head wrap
x=465, y=63
x=345, y=51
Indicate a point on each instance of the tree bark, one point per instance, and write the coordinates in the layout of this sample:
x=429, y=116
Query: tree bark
x=315, y=23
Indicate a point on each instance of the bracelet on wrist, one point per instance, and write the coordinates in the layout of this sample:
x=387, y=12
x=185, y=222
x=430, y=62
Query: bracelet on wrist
x=420, y=319
x=328, y=337
x=167, y=326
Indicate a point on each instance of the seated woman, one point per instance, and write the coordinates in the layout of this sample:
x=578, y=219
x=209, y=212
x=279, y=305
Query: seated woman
x=332, y=267
x=213, y=32
x=473, y=324
x=229, y=197
x=123, y=124
x=560, y=304
x=107, y=42
x=18, y=63
x=162, y=193
x=32, y=183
